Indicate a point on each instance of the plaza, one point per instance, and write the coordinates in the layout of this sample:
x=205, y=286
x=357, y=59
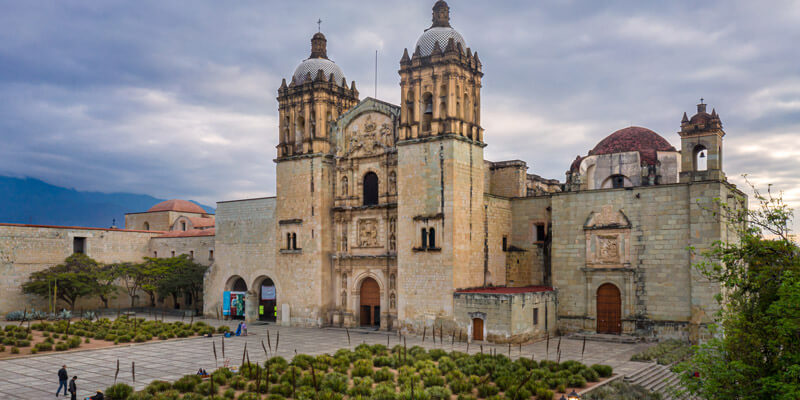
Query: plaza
x=34, y=377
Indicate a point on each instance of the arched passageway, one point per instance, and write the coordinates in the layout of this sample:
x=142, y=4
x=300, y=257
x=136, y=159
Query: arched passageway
x=267, y=301
x=233, y=302
x=370, y=303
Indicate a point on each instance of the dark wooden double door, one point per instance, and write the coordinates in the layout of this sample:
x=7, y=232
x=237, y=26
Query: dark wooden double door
x=609, y=309
x=370, y=303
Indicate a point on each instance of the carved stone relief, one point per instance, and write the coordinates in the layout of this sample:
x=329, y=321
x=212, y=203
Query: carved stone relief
x=608, y=249
x=368, y=233
x=368, y=135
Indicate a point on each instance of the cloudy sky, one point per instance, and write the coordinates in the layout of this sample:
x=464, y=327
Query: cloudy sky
x=177, y=98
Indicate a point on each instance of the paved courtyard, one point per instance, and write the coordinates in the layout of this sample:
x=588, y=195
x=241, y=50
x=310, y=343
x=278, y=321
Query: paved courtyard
x=35, y=377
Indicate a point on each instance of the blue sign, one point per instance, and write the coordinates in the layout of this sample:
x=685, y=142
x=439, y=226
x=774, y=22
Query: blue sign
x=268, y=293
x=226, y=303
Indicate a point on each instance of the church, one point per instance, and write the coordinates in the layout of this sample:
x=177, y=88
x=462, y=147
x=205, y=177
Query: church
x=389, y=216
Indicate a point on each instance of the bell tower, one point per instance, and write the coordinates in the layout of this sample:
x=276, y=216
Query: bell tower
x=440, y=179
x=315, y=97
x=440, y=84
x=701, y=146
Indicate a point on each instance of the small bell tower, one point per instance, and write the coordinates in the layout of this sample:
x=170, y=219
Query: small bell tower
x=701, y=146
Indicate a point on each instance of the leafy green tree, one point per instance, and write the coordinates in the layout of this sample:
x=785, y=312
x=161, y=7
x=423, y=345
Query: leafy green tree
x=106, y=277
x=73, y=279
x=142, y=276
x=755, y=351
x=182, y=276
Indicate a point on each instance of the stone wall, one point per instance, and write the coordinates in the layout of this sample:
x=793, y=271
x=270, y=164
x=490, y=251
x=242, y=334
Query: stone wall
x=506, y=178
x=527, y=214
x=507, y=317
x=25, y=249
x=199, y=248
x=244, y=247
x=635, y=239
x=498, y=220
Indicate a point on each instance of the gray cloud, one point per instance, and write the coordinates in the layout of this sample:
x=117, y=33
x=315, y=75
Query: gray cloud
x=177, y=99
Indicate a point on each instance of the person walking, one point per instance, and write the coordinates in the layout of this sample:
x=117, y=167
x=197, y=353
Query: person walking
x=73, y=389
x=62, y=380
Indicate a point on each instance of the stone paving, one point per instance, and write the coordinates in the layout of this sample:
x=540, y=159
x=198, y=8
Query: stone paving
x=34, y=377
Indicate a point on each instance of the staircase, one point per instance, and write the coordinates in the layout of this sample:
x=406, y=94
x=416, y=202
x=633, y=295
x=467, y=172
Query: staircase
x=658, y=379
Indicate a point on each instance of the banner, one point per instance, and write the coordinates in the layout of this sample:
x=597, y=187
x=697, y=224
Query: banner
x=226, y=303
x=268, y=293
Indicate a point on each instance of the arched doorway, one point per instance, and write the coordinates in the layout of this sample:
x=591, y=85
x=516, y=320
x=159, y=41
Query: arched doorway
x=267, y=301
x=370, y=303
x=609, y=309
x=477, y=329
x=234, y=301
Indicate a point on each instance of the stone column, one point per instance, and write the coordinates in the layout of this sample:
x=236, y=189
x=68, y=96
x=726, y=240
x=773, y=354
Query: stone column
x=250, y=306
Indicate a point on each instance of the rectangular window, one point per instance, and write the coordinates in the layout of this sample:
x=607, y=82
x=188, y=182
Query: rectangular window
x=79, y=245
x=536, y=316
x=211, y=254
x=505, y=243
x=155, y=254
x=540, y=233
x=191, y=254
x=173, y=253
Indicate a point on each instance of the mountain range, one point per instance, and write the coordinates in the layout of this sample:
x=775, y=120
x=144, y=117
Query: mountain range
x=32, y=201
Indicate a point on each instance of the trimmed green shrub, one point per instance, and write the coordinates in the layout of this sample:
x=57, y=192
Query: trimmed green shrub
x=141, y=396
x=249, y=396
x=361, y=386
x=22, y=343
x=205, y=388
x=383, y=375
x=384, y=392
x=274, y=396
x=119, y=391
x=157, y=386
x=61, y=346
x=15, y=350
x=238, y=382
x=362, y=368
x=486, y=390
x=335, y=382
x=603, y=370
x=460, y=386
x=187, y=383
x=171, y=394
x=439, y=393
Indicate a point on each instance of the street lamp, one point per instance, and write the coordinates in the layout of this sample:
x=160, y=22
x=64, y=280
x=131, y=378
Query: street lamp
x=573, y=396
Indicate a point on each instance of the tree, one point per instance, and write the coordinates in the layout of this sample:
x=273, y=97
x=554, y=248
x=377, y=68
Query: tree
x=105, y=280
x=182, y=276
x=142, y=276
x=73, y=279
x=755, y=351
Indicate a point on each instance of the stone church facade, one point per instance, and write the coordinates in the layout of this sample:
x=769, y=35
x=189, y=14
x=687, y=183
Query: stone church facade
x=389, y=217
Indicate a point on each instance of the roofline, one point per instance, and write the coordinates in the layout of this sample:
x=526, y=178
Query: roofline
x=79, y=227
x=254, y=198
x=185, y=212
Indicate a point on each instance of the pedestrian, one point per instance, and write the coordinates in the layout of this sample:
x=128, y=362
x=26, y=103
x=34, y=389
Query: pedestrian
x=62, y=380
x=97, y=396
x=73, y=388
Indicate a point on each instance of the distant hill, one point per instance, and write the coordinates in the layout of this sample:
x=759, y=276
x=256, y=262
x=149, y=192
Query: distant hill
x=31, y=201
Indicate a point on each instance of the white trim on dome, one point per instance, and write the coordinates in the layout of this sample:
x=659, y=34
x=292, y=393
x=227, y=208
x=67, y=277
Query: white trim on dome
x=427, y=41
x=312, y=65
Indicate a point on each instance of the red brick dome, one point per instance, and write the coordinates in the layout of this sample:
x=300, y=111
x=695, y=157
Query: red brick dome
x=177, y=205
x=634, y=138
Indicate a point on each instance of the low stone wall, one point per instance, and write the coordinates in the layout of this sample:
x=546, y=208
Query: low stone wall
x=507, y=317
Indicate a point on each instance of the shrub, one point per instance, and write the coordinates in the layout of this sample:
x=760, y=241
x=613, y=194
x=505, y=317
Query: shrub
x=229, y=393
x=466, y=397
x=187, y=383
x=590, y=375
x=157, y=386
x=249, y=396
x=362, y=368
x=544, y=394
x=284, y=389
x=439, y=393
x=15, y=350
x=274, y=396
x=140, y=338
x=303, y=361
x=87, y=340
x=61, y=346
x=141, y=396
x=384, y=392
x=119, y=391
x=460, y=386
x=433, y=380
x=603, y=370
x=384, y=361
x=2, y=348
x=384, y=374
x=43, y=346
x=576, y=381
x=238, y=382
x=335, y=382
x=74, y=342
x=109, y=337
x=124, y=338
x=205, y=388
x=486, y=390
x=23, y=343
x=167, y=395
x=361, y=386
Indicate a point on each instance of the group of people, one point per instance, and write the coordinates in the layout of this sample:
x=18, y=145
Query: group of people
x=71, y=386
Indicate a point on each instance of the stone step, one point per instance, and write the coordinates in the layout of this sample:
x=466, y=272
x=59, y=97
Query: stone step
x=608, y=338
x=636, y=375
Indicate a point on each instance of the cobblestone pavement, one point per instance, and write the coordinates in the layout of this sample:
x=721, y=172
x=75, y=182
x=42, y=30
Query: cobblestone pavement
x=34, y=377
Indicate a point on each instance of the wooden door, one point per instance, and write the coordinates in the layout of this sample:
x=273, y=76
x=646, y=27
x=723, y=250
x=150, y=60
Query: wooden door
x=477, y=329
x=370, y=302
x=609, y=309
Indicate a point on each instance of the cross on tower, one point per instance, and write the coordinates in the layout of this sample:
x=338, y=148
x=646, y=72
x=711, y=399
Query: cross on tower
x=319, y=25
